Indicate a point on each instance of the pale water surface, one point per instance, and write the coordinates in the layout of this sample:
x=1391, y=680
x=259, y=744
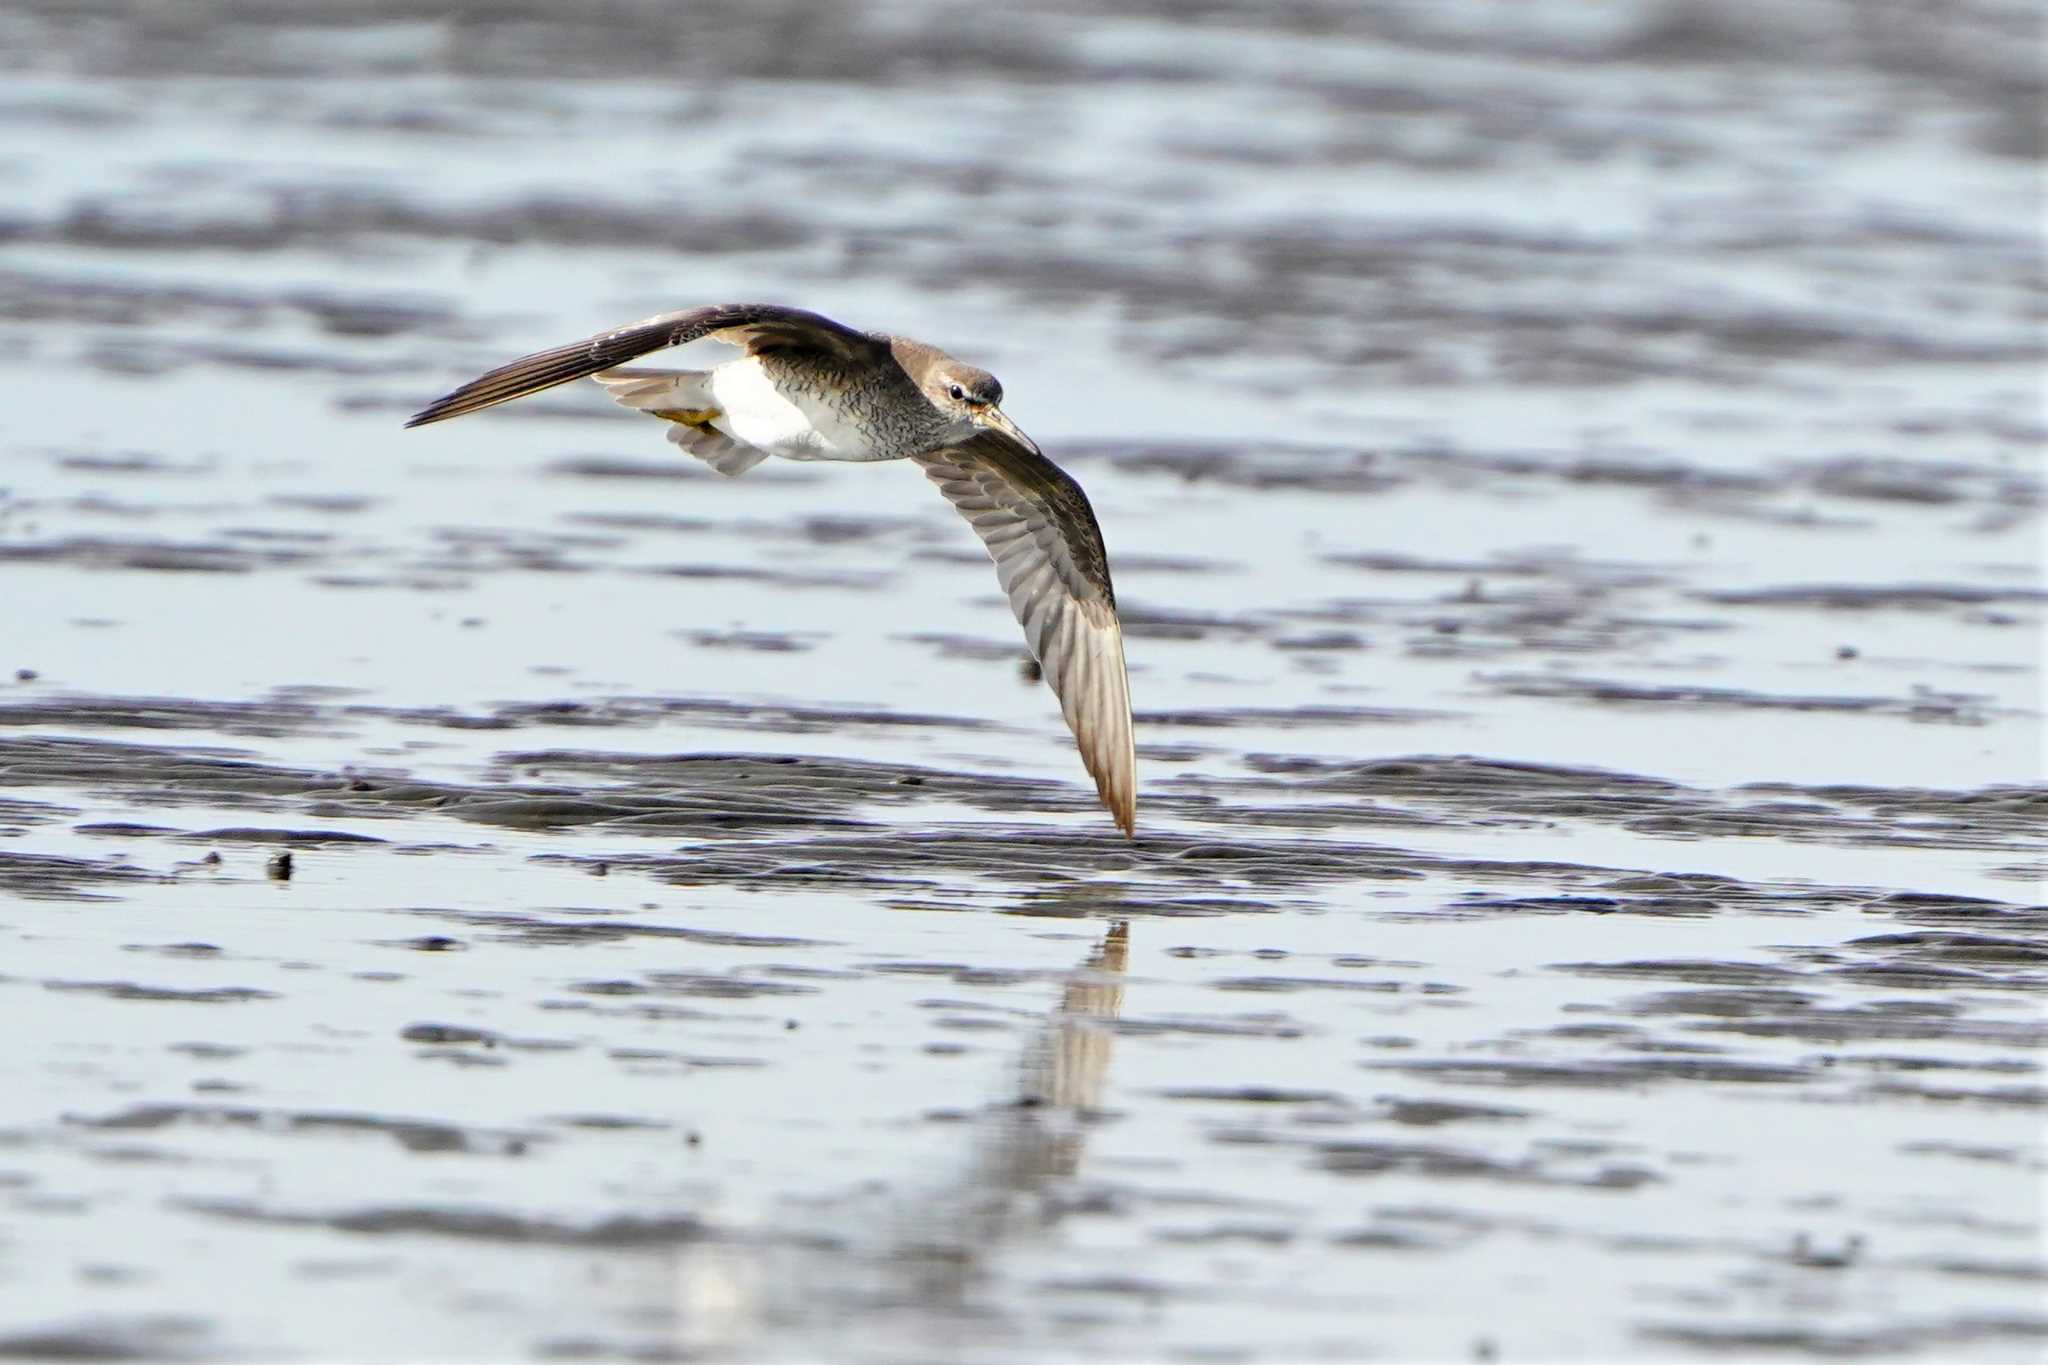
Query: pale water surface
x=1572, y=473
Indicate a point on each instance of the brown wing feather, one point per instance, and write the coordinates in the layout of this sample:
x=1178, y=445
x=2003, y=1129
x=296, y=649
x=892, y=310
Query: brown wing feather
x=757, y=326
x=1049, y=557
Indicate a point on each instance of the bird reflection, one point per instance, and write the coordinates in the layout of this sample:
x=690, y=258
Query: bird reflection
x=1025, y=1148
x=1063, y=1073
x=923, y=1263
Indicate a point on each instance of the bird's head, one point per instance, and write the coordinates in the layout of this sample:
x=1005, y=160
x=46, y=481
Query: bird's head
x=972, y=398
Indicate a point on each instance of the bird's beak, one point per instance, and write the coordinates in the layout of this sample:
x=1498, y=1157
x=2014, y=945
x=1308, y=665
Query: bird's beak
x=994, y=418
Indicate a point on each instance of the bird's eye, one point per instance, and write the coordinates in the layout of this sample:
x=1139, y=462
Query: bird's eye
x=956, y=392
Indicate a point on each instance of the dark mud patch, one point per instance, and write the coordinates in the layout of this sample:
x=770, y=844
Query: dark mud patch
x=131, y=990
x=41, y=876
x=1149, y=621
x=152, y=555
x=413, y=1135
x=1972, y=950
x=1616, y=1074
x=752, y=641
x=17, y=816
x=531, y=929
x=514, y=38
x=1282, y=985
x=1866, y=597
x=1286, y=718
x=288, y=838
x=131, y=462
x=977, y=649
x=269, y=719
x=1927, y=1335
x=1709, y=973
x=633, y=791
x=698, y=985
x=1250, y=1094
x=1435, y=1113
x=627, y=712
x=2002, y=816
x=782, y=821
x=192, y=951
x=444, y=1035
x=621, y=1233
x=1454, y=779
x=301, y=216
x=148, y=1337
x=1540, y=1166
x=1489, y=792
x=1258, y=1025
x=841, y=580
x=1924, y=705
x=1841, y=1025
x=123, y=304
x=1787, y=491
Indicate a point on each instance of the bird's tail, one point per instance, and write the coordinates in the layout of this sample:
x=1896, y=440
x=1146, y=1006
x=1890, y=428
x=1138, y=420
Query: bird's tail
x=655, y=390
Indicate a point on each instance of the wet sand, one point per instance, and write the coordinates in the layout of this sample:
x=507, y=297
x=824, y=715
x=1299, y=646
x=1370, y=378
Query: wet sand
x=500, y=891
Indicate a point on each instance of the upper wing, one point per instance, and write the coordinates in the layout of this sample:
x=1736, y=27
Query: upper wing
x=757, y=326
x=1042, y=534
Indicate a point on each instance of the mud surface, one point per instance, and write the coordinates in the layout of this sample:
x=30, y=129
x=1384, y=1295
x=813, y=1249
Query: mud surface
x=496, y=891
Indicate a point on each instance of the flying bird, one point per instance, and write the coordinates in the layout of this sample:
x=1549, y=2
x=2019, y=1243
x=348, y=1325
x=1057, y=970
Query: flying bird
x=809, y=388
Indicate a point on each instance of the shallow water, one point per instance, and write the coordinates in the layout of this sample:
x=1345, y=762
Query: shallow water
x=1573, y=482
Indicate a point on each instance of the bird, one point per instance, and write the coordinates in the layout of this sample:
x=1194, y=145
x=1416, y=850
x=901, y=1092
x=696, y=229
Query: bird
x=807, y=388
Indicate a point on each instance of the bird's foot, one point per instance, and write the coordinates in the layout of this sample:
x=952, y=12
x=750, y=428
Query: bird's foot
x=700, y=418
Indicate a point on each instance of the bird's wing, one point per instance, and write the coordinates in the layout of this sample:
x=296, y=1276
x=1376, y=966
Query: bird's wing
x=1043, y=537
x=760, y=327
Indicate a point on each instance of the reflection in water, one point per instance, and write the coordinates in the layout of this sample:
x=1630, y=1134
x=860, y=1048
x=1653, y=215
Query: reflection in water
x=1063, y=1074
x=1022, y=1143
x=919, y=1263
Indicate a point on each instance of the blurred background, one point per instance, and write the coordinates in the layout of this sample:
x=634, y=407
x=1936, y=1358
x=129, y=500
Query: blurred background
x=1572, y=472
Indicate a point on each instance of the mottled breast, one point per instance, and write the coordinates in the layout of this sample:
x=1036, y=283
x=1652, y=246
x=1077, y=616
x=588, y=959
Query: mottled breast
x=797, y=413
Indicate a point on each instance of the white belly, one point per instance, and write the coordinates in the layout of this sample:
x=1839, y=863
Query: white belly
x=752, y=409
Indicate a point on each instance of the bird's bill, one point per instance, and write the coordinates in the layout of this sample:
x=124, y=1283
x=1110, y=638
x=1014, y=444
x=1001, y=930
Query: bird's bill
x=994, y=418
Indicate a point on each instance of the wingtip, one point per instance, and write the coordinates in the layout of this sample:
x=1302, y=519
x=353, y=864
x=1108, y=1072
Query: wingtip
x=1124, y=810
x=1118, y=792
x=440, y=410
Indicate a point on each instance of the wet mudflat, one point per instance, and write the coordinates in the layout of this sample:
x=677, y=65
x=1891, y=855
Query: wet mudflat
x=497, y=891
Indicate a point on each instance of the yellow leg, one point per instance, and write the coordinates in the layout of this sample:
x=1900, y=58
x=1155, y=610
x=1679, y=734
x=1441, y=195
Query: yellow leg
x=700, y=418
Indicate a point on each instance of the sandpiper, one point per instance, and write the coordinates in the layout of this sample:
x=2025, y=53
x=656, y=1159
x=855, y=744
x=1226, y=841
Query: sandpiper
x=809, y=388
